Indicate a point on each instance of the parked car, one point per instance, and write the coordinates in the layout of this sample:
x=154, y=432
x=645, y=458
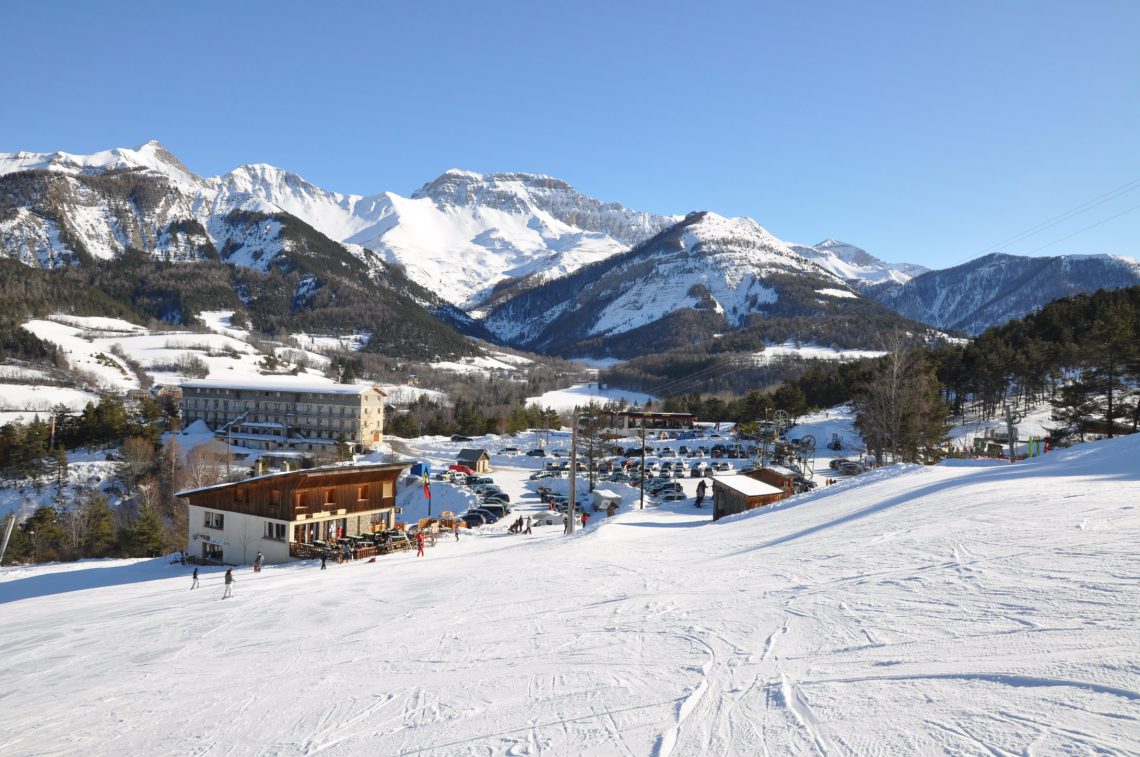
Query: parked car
x=536, y=453
x=489, y=516
x=460, y=468
x=834, y=464
x=851, y=468
x=473, y=519
x=474, y=480
x=498, y=509
x=460, y=438
x=509, y=451
x=497, y=498
x=698, y=469
x=671, y=496
x=722, y=465
x=543, y=474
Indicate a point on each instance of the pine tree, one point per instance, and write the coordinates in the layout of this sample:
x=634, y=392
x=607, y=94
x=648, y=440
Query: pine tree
x=98, y=527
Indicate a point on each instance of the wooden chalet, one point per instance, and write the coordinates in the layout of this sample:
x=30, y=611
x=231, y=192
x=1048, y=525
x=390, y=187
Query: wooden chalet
x=476, y=459
x=738, y=493
x=775, y=475
x=289, y=515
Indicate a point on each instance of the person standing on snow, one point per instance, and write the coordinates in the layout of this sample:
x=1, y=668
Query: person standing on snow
x=230, y=581
x=257, y=563
x=701, y=488
x=527, y=531
x=194, y=585
x=323, y=557
x=419, y=544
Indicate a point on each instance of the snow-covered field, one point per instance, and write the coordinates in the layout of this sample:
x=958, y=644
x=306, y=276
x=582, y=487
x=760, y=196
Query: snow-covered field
x=581, y=395
x=777, y=352
x=955, y=609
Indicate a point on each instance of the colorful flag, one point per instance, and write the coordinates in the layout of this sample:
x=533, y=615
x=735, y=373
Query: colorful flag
x=427, y=487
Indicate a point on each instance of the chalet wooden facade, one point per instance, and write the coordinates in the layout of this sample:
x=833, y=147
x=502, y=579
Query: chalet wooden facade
x=777, y=476
x=231, y=523
x=736, y=494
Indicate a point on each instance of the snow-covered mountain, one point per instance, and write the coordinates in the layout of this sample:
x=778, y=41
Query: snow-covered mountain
x=705, y=275
x=459, y=235
x=856, y=266
x=995, y=288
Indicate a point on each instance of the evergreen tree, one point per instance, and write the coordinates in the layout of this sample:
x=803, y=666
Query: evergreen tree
x=98, y=527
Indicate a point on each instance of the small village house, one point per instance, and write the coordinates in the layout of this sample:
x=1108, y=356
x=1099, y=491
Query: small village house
x=476, y=459
x=280, y=513
x=738, y=493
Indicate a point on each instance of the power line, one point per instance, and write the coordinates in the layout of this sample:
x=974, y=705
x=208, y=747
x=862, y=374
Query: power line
x=1081, y=231
x=1066, y=215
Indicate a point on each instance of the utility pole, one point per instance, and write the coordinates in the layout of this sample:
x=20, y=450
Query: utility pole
x=573, y=475
x=641, y=505
x=7, y=536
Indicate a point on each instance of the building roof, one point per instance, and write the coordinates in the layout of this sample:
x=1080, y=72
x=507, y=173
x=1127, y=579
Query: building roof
x=471, y=454
x=280, y=384
x=749, y=487
x=329, y=475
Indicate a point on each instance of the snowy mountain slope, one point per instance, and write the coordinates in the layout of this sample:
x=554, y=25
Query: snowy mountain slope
x=150, y=157
x=855, y=265
x=704, y=275
x=996, y=288
x=951, y=610
x=460, y=235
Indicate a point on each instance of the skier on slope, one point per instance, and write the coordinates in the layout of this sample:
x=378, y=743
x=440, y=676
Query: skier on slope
x=230, y=581
x=194, y=585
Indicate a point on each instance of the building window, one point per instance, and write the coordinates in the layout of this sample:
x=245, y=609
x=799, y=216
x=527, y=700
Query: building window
x=214, y=520
x=275, y=531
x=330, y=496
x=362, y=492
x=212, y=552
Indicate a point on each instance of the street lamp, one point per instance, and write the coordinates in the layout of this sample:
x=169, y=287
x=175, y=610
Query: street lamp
x=32, y=534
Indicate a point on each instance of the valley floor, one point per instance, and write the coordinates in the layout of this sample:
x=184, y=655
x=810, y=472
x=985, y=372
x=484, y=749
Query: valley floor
x=954, y=609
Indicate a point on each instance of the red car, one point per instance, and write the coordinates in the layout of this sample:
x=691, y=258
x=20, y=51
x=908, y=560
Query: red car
x=460, y=469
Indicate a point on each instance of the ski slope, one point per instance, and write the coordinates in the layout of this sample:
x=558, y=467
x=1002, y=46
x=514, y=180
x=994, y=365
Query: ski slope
x=962, y=609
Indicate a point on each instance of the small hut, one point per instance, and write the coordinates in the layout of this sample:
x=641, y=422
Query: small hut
x=736, y=494
x=476, y=459
x=777, y=476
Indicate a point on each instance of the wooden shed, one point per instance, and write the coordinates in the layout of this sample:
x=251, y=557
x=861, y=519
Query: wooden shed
x=777, y=476
x=476, y=459
x=736, y=494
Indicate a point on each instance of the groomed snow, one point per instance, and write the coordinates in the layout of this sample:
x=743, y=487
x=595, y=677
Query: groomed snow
x=581, y=395
x=963, y=610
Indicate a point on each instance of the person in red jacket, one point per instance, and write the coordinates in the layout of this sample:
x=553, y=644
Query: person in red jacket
x=419, y=544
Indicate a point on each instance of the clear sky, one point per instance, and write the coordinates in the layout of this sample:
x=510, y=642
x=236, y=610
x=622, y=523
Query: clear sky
x=923, y=132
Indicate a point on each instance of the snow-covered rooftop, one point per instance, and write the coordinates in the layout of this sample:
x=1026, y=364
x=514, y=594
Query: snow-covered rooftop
x=279, y=383
x=747, y=486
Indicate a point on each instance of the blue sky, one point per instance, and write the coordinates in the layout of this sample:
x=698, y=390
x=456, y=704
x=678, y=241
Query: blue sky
x=922, y=132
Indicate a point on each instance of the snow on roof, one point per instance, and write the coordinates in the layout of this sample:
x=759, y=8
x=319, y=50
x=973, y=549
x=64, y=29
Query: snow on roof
x=303, y=472
x=280, y=384
x=749, y=487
